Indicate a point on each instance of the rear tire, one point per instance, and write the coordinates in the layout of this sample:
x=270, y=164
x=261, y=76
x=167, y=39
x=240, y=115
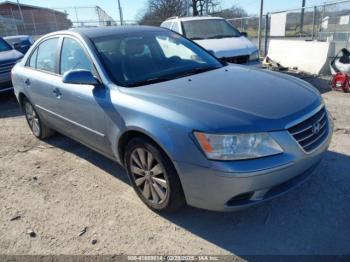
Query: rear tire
x=153, y=176
x=38, y=128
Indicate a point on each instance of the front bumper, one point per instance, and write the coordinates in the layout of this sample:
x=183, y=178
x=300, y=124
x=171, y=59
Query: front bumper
x=229, y=186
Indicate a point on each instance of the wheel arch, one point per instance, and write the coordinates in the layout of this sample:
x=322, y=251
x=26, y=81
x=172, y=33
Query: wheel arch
x=21, y=97
x=128, y=135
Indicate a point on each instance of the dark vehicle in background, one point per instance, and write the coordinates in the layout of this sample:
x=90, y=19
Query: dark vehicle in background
x=8, y=58
x=20, y=42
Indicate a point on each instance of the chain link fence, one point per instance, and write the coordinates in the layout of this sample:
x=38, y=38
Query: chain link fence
x=327, y=22
x=40, y=21
x=33, y=22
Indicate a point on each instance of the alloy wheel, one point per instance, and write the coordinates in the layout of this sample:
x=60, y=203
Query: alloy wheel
x=149, y=176
x=33, y=119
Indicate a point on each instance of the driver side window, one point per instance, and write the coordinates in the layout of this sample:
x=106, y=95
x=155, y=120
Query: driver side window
x=73, y=57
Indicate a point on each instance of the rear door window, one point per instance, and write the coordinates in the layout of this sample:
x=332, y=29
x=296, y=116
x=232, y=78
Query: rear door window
x=32, y=60
x=46, y=57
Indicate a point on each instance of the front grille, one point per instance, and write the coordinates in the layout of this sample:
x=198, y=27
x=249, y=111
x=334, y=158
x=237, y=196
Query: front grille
x=236, y=59
x=5, y=68
x=312, y=132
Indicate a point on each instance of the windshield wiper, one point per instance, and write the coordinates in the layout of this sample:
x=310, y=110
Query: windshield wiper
x=220, y=36
x=197, y=38
x=150, y=81
x=197, y=70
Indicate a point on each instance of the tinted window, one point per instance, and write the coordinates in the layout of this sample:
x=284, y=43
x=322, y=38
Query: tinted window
x=148, y=57
x=4, y=46
x=73, y=57
x=209, y=28
x=46, y=58
x=32, y=61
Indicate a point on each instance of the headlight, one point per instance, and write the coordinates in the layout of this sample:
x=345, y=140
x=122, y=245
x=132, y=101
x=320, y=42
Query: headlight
x=254, y=56
x=237, y=146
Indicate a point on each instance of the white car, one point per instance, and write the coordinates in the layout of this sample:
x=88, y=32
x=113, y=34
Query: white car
x=218, y=36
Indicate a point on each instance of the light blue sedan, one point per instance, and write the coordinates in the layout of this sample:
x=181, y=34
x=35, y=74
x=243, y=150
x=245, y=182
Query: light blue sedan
x=187, y=127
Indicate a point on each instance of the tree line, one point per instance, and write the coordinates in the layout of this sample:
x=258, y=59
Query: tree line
x=159, y=10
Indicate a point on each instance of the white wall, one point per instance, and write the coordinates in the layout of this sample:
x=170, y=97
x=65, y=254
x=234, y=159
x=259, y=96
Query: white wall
x=307, y=56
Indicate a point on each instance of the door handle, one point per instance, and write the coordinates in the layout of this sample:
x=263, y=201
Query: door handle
x=27, y=82
x=57, y=93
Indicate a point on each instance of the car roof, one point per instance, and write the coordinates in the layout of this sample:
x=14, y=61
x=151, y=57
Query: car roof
x=93, y=32
x=16, y=36
x=192, y=18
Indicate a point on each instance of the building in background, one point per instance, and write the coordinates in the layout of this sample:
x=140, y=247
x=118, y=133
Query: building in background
x=30, y=20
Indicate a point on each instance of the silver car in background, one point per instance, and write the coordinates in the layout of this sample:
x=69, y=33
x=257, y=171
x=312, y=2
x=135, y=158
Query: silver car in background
x=187, y=127
x=21, y=43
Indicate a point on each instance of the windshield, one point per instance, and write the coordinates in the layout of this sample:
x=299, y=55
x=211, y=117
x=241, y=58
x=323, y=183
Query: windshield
x=209, y=29
x=4, y=46
x=136, y=59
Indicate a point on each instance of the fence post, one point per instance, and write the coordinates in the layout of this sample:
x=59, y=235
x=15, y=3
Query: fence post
x=34, y=25
x=260, y=23
x=314, y=23
x=302, y=17
x=55, y=19
x=266, y=33
x=14, y=21
x=76, y=15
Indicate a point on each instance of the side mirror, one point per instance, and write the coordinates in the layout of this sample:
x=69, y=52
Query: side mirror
x=80, y=77
x=245, y=34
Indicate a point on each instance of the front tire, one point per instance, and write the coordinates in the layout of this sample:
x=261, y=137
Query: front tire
x=153, y=176
x=38, y=128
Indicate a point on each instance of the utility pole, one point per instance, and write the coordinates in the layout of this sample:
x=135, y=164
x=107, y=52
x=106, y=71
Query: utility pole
x=302, y=16
x=120, y=13
x=260, y=23
x=188, y=5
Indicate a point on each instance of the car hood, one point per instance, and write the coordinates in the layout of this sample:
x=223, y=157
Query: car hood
x=9, y=56
x=227, y=47
x=231, y=99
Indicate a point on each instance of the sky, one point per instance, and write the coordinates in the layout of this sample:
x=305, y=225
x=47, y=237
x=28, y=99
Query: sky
x=132, y=8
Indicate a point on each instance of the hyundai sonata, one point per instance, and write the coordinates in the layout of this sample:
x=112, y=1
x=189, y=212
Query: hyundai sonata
x=187, y=127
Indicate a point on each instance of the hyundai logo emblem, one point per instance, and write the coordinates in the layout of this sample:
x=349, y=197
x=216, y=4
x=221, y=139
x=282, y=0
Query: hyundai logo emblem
x=316, y=128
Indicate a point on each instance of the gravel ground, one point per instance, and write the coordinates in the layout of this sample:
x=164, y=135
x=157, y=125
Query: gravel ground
x=55, y=189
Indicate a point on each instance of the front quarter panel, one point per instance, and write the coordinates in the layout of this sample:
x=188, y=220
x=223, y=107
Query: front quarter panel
x=166, y=127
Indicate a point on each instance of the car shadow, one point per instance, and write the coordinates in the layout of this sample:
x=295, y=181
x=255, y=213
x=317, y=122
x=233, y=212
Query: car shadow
x=102, y=162
x=314, y=218
x=9, y=106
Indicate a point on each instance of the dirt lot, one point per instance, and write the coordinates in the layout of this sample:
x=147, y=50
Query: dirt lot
x=59, y=187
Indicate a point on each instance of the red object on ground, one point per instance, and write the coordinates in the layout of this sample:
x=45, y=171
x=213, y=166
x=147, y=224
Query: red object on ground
x=340, y=82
